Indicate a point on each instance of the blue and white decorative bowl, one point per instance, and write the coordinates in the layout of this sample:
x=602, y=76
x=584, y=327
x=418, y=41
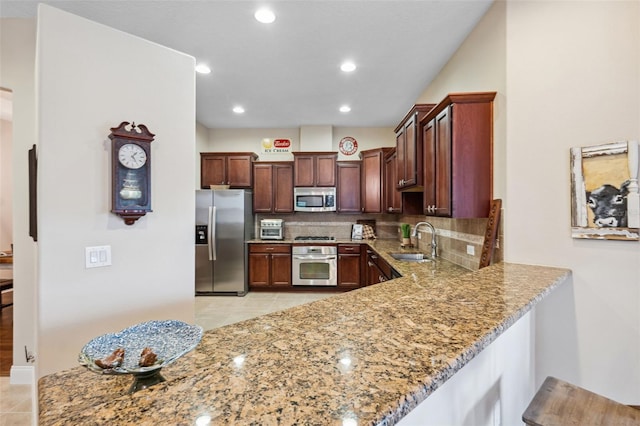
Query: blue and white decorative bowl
x=168, y=339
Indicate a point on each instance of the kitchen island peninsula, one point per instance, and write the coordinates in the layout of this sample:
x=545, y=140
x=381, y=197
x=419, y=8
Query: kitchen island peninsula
x=365, y=357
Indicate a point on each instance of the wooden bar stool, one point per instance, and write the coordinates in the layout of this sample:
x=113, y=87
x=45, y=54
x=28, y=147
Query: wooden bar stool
x=559, y=403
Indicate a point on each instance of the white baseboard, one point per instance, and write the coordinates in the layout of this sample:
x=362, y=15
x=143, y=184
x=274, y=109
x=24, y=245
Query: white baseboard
x=22, y=375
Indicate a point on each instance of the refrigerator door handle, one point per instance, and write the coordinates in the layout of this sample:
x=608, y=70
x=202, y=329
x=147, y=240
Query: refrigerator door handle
x=212, y=233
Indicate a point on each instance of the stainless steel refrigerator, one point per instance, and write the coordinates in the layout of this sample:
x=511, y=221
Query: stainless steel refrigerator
x=224, y=221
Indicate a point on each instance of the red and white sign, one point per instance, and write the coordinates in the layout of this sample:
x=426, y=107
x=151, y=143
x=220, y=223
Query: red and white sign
x=348, y=145
x=275, y=146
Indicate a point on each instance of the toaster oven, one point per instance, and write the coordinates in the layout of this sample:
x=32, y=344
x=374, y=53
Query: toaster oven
x=271, y=229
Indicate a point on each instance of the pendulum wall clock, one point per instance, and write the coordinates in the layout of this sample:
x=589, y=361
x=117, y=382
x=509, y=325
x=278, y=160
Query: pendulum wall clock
x=131, y=171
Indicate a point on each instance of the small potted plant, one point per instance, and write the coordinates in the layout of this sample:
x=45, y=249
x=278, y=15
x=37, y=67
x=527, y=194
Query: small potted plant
x=405, y=229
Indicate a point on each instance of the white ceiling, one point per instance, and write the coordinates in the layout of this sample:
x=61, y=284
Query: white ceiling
x=286, y=74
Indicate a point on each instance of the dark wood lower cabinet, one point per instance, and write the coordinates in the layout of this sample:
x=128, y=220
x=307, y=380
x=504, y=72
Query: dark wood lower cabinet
x=378, y=270
x=269, y=266
x=350, y=266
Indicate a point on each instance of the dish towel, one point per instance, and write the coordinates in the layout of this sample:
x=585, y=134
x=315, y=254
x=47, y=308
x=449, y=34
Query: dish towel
x=367, y=232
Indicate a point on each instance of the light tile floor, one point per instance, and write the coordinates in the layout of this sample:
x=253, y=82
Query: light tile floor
x=211, y=312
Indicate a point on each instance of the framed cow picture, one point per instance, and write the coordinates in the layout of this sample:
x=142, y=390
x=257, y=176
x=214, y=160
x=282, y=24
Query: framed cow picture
x=604, y=192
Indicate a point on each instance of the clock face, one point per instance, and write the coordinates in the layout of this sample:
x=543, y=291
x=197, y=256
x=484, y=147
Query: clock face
x=132, y=156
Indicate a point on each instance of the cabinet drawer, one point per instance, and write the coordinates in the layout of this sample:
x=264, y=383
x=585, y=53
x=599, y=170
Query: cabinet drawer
x=349, y=249
x=269, y=248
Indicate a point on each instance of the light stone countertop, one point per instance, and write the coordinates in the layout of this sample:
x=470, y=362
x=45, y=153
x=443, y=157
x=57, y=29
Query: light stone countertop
x=371, y=355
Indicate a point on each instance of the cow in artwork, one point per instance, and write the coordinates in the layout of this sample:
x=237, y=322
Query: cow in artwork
x=609, y=205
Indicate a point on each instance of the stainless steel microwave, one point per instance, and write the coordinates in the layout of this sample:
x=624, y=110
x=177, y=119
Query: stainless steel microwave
x=315, y=199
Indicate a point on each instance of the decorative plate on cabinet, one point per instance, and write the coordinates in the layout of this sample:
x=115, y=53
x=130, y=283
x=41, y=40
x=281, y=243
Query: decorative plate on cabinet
x=348, y=145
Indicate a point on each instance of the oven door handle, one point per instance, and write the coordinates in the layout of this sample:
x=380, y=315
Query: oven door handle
x=314, y=258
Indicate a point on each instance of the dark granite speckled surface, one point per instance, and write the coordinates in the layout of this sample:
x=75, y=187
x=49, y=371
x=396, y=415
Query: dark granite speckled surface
x=370, y=355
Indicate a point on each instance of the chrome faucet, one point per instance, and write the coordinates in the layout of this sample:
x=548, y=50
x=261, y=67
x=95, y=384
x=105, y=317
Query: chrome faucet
x=434, y=245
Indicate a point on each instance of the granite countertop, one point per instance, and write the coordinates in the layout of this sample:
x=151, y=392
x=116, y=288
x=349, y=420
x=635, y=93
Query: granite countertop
x=370, y=355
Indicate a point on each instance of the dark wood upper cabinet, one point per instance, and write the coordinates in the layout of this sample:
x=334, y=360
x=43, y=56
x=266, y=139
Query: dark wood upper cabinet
x=458, y=156
x=373, y=183
x=409, y=149
x=229, y=168
x=315, y=168
x=273, y=187
x=348, y=187
x=392, y=197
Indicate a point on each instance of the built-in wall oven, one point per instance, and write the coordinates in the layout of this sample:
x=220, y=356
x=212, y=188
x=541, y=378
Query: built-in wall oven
x=315, y=265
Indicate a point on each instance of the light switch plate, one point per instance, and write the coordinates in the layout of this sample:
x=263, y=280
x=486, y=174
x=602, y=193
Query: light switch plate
x=471, y=250
x=97, y=256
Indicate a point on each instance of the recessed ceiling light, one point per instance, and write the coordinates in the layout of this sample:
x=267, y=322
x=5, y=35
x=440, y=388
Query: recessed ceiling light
x=203, y=69
x=345, y=108
x=348, y=66
x=265, y=16
x=238, y=109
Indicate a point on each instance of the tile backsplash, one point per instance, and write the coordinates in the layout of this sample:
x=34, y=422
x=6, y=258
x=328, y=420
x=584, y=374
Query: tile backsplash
x=452, y=235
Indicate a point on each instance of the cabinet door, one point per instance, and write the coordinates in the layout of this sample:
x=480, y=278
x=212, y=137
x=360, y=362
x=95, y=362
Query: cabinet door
x=430, y=160
x=410, y=153
x=281, y=269
x=443, y=163
x=213, y=170
x=239, y=171
x=349, y=270
x=304, y=170
x=392, y=197
x=259, y=265
x=348, y=187
x=350, y=266
x=374, y=274
x=282, y=188
x=263, y=188
x=325, y=170
x=401, y=139
x=372, y=182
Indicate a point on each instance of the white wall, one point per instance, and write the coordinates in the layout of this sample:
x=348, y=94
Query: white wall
x=202, y=145
x=17, y=59
x=91, y=78
x=567, y=74
x=6, y=184
x=479, y=65
x=489, y=390
x=248, y=140
x=573, y=79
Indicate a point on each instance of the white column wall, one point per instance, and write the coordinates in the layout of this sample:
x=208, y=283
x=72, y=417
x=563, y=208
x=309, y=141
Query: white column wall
x=17, y=65
x=90, y=78
x=567, y=74
x=573, y=79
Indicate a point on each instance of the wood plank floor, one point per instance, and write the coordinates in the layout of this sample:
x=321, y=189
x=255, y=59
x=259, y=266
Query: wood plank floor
x=6, y=335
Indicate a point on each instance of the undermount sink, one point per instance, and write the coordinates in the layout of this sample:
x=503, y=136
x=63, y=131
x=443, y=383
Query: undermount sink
x=410, y=257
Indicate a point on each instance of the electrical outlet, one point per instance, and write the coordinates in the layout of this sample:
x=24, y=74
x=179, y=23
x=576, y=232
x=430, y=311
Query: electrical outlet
x=497, y=243
x=471, y=250
x=419, y=235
